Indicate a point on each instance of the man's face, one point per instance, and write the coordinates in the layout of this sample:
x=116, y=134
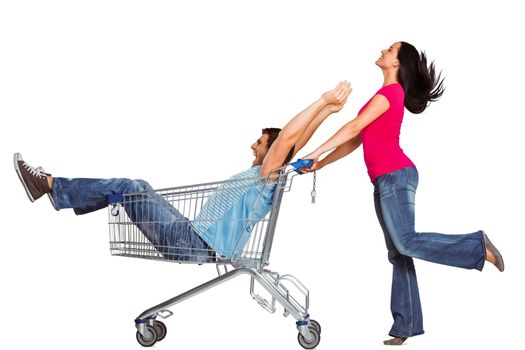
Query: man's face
x=260, y=148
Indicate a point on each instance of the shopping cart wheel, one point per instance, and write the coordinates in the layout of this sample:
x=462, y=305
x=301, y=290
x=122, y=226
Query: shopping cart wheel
x=313, y=342
x=316, y=325
x=146, y=342
x=161, y=330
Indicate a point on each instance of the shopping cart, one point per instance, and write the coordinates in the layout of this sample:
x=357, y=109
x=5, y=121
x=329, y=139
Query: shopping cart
x=142, y=224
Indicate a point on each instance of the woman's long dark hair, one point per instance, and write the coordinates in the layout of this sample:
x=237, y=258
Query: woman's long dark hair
x=419, y=81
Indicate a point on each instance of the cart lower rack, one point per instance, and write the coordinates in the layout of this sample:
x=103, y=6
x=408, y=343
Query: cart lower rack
x=205, y=223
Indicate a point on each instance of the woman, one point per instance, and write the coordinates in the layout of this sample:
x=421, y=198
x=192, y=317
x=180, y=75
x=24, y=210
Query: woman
x=408, y=82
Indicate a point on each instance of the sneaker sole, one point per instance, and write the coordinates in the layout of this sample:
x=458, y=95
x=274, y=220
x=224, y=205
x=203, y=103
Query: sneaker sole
x=15, y=161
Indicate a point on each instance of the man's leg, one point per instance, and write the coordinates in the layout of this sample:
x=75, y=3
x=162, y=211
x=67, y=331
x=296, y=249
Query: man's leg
x=83, y=195
x=162, y=224
x=165, y=227
x=87, y=195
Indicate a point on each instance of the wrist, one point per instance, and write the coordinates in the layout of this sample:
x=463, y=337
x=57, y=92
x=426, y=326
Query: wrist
x=323, y=102
x=316, y=154
x=326, y=111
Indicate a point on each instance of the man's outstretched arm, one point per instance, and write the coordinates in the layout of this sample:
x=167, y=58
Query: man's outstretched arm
x=300, y=128
x=316, y=122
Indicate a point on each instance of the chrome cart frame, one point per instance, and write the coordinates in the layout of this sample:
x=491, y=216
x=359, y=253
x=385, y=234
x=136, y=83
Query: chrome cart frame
x=139, y=225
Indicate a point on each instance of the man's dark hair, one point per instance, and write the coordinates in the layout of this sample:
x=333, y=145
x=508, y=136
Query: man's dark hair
x=272, y=136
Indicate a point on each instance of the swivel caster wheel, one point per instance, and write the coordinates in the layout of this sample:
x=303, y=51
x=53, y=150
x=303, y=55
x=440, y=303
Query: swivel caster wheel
x=312, y=343
x=150, y=339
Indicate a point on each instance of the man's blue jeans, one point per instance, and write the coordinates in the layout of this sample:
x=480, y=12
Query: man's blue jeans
x=165, y=227
x=394, y=197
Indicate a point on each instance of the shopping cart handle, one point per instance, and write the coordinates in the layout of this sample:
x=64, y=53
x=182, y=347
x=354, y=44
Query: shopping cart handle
x=301, y=163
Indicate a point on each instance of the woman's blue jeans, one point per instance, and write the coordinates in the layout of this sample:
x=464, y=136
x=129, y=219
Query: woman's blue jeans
x=164, y=226
x=394, y=198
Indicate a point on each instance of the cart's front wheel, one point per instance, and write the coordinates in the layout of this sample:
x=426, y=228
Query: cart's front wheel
x=312, y=343
x=161, y=330
x=152, y=339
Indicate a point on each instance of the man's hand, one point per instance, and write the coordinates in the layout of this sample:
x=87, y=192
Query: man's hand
x=337, y=96
x=301, y=127
x=334, y=108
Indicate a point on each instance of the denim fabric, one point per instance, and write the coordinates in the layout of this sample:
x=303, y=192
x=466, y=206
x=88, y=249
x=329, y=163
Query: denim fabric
x=164, y=226
x=394, y=198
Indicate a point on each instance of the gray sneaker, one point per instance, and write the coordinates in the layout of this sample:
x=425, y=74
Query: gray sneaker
x=33, y=179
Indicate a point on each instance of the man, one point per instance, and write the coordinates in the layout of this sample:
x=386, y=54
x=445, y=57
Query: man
x=213, y=232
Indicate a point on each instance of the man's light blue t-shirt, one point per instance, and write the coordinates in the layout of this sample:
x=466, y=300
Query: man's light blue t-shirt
x=223, y=219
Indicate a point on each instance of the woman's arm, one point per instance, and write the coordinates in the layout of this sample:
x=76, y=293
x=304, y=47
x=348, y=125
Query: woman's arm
x=377, y=106
x=340, y=152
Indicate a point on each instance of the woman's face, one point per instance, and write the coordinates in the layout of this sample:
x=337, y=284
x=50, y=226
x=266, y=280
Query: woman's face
x=388, y=57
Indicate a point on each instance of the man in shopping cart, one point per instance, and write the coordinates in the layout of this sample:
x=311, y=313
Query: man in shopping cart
x=166, y=227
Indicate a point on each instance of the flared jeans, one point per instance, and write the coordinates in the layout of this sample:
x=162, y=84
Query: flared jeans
x=394, y=198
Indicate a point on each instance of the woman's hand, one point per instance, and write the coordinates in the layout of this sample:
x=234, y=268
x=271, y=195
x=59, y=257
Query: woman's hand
x=315, y=165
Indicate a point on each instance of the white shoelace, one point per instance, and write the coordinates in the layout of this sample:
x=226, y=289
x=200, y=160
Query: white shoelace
x=38, y=171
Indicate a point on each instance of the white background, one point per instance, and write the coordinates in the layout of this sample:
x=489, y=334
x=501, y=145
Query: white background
x=176, y=94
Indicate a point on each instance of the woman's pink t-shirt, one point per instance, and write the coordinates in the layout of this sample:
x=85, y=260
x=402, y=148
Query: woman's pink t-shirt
x=381, y=137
